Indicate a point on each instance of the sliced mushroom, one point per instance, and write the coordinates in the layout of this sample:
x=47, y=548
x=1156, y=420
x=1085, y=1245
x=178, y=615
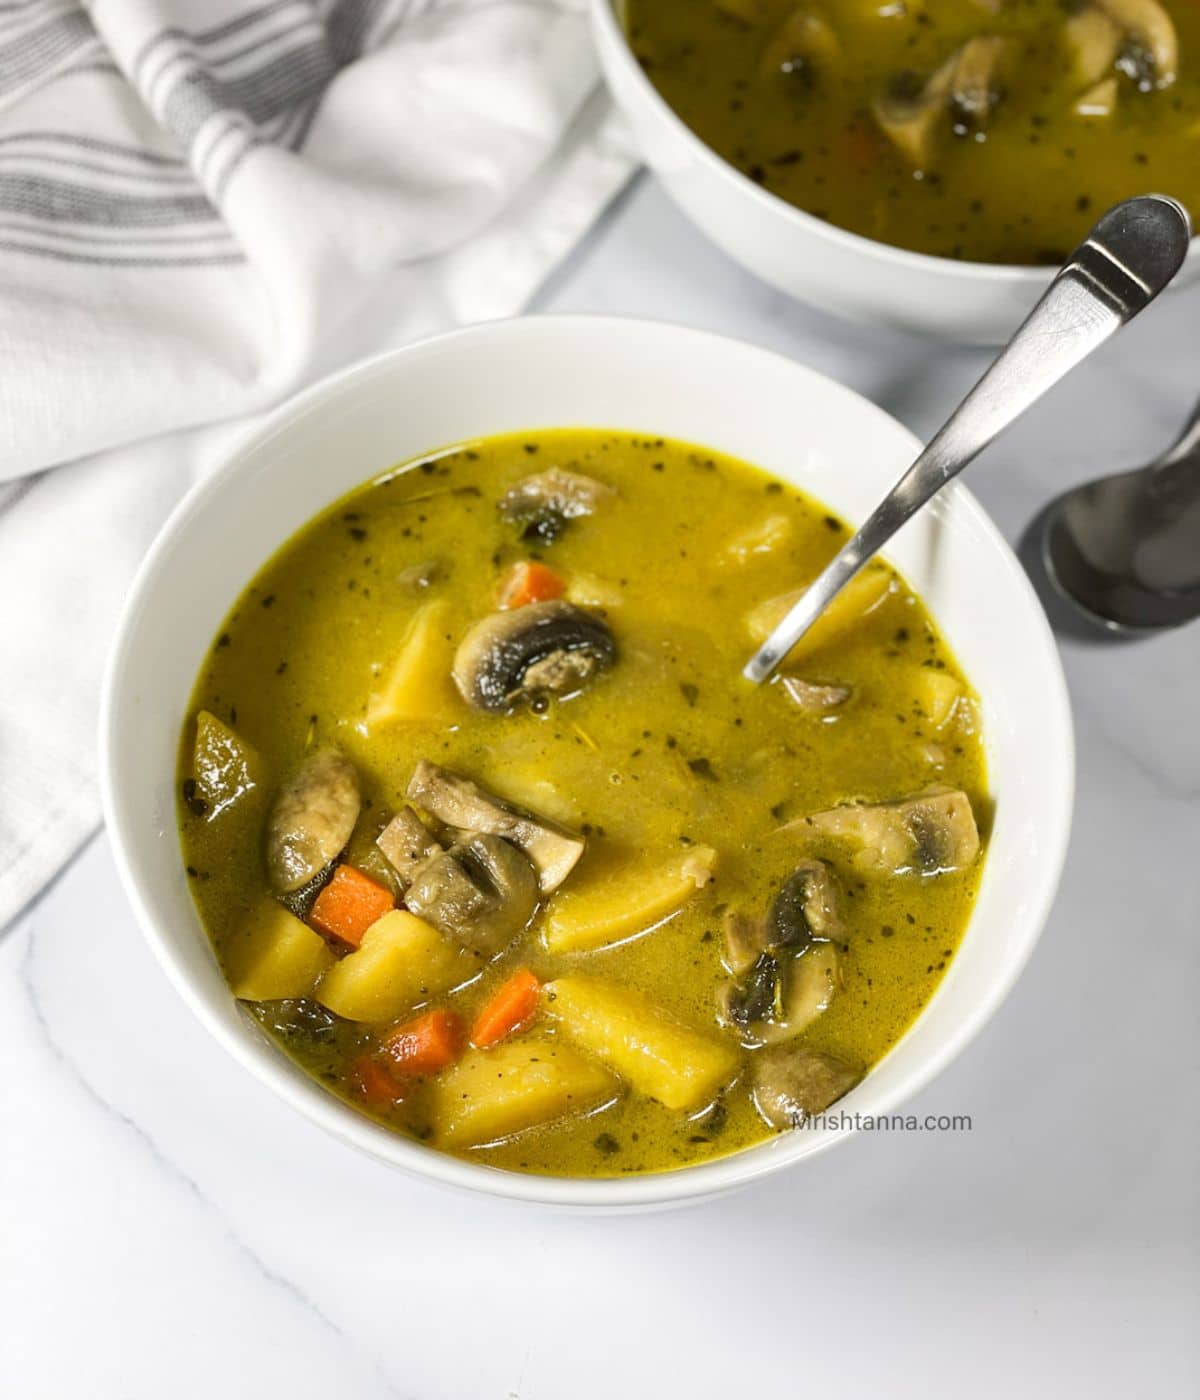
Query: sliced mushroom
x=312, y=819
x=782, y=995
x=758, y=997
x=482, y=892
x=975, y=86
x=815, y=978
x=551, y=648
x=911, y=114
x=1094, y=39
x=813, y=699
x=744, y=941
x=1153, y=60
x=788, y=964
x=406, y=843
x=792, y=1083
x=543, y=504
x=460, y=803
x=1100, y=100
x=961, y=93
x=802, y=44
x=805, y=908
x=929, y=834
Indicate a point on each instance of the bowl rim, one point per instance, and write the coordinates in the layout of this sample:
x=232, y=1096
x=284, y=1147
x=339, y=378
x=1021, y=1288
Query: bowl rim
x=604, y=17
x=684, y=1184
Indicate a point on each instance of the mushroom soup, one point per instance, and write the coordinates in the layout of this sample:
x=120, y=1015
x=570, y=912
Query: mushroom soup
x=491, y=836
x=994, y=131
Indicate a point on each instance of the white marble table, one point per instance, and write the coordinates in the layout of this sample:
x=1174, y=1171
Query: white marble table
x=167, y=1228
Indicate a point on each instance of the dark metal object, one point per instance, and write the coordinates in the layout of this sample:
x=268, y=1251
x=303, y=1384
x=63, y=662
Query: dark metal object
x=1126, y=549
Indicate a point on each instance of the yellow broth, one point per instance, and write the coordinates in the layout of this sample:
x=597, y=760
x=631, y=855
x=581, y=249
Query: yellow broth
x=669, y=748
x=1064, y=136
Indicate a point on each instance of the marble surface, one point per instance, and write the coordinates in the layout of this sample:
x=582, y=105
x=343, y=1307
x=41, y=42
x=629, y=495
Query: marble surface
x=166, y=1227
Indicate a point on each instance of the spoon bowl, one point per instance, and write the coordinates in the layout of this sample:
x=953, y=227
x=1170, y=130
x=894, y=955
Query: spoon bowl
x=1125, y=549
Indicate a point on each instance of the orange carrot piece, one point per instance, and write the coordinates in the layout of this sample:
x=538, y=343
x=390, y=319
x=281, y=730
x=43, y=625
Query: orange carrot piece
x=530, y=582
x=427, y=1043
x=349, y=904
x=510, y=1009
x=376, y=1083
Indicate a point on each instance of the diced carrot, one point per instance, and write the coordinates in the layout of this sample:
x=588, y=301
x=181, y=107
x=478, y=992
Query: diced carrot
x=427, y=1043
x=375, y=1082
x=349, y=904
x=510, y=1009
x=530, y=582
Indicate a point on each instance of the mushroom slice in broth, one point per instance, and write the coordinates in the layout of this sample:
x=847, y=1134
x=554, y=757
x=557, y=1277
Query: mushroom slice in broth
x=782, y=995
x=525, y=654
x=930, y=834
x=462, y=804
x=791, y=1083
x=811, y=698
x=743, y=941
x=544, y=503
x=802, y=45
x=804, y=908
x=788, y=963
x=312, y=819
x=406, y=842
x=960, y=95
x=1093, y=39
x=481, y=892
x=1152, y=56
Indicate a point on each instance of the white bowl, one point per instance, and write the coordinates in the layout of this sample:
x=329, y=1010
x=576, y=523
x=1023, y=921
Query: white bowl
x=635, y=376
x=977, y=303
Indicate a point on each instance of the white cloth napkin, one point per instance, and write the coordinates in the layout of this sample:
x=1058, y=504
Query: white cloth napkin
x=205, y=204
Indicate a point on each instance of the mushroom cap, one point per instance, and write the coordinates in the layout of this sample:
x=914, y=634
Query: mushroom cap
x=462, y=804
x=543, y=648
x=481, y=892
x=791, y=1083
x=1151, y=27
x=804, y=908
x=312, y=819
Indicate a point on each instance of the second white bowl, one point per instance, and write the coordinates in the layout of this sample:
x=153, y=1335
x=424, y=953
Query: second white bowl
x=976, y=303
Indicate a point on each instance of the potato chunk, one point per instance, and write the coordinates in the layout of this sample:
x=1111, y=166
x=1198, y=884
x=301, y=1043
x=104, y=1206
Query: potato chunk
x=274, y=956
x=400, y=962
x=862, y=595
x=606, y=910
x=492, y=1094
x=418, y=689
x=661, y=1058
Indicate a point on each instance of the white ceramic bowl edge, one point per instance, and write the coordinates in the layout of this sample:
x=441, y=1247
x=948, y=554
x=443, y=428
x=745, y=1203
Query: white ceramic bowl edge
x=627, y=375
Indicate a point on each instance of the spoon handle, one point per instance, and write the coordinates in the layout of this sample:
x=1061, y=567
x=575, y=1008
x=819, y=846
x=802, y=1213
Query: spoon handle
x=1186, y=445
x=1128, y=258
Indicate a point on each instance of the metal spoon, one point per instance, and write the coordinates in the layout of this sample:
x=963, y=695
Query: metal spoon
x=1128, y=258
x=1126, y=549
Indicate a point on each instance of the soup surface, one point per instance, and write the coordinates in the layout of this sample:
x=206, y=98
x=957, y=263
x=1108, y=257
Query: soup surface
x=492, y=838
x=990, y=130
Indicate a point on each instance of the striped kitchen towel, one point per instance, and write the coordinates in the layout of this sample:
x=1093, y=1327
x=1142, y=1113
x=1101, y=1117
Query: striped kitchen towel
x=205, y=204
